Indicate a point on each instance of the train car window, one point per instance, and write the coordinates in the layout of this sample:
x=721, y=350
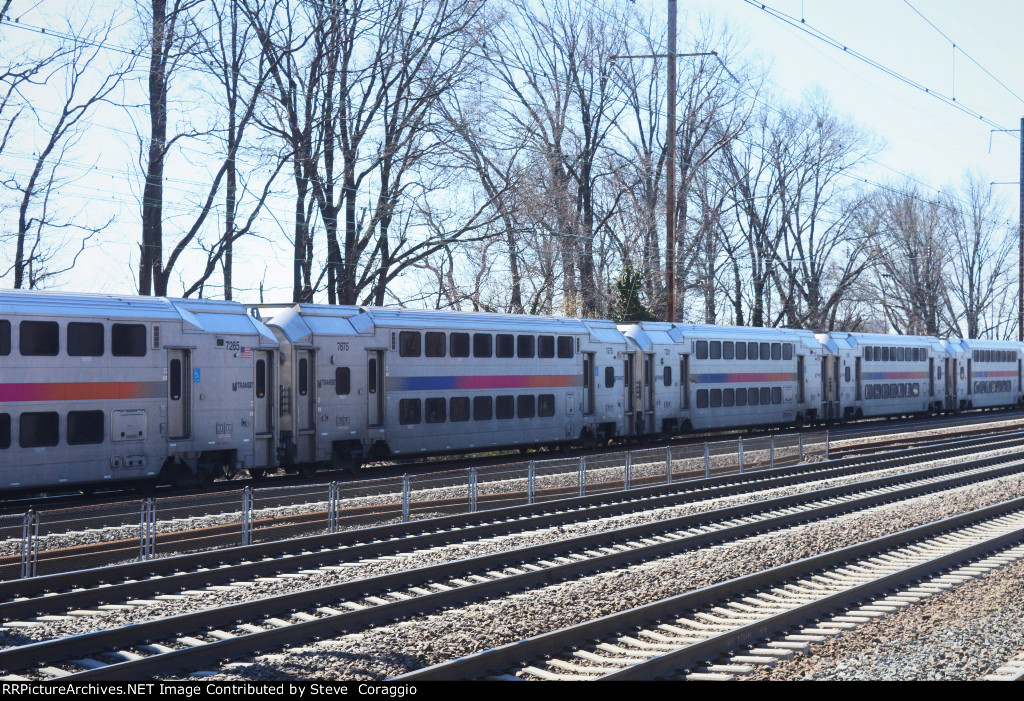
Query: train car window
x=776, y=351
x=885, y=353
x=741, y=396
x=459, y=345
x=342, y=381
x=546, y=405
x=435, y=410
x=85, y=339
x=525, y=346
x=566, y=345
x=668, y=376
x=482, y=409
x=609, y=376
x=727, y=350
x=702, y=399
x=85, y=427
x=867, y=353
x=716, y=398
x=545, y=346
x=504, y=346
x=729, y=397
x=787, y=351
x=38, y=429
x=885, y=391
x=459, y=407
x=409, y=411
x=303, y=376
x=39, y=338
x=716, y=350
x=702, y=350
x=766, y=395
x=776, y=395
x=878, y=391
x=175, y=380
x=409, y=344
x=752, y=396
x=525, y=406
x=975, y=356
x=504, y=407
x=482, y=345
x=900, y=355
x=371, y=376
x=903, y=389
x=5, y=337
x=434, y=344
x=847, y=373
x=893, y=390
x=915, y=354
x=924, y=354
x=741, y=351
x=261, y=379
x=5, y=431
x=128, y=340
x=868, y=393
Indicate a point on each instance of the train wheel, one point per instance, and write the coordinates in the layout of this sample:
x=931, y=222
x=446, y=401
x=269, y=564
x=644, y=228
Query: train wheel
x=257, y=474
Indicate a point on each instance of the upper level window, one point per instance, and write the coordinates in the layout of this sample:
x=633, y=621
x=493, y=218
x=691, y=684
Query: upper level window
x=435, y=344
x=702, y=350
x=727, y=350
x=716, y=351
x=482, y=345
x=409, y=344
x=5, y=337
x=741, y=351
x=565, y=346
x=787, y=351
x=776, y=351
x=504, y=345
x=39, y=338
x=128, y=340
x=85, y=339
x=525, y=346
x=545, y=346
x=459, y=345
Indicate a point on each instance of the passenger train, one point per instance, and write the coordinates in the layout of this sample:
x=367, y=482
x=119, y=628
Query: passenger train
x=139, y=390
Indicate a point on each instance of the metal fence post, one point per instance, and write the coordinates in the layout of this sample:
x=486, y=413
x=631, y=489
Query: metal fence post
x=530, y=481
x=29, y=544
x=668, y=464
x=628, y=476
x=739, y=451
x=583, y=475
x=826, y=444
x=707, y=460
x=332, y=508
x=247, y=516
x=472, y=490
x=147, y=529
x=800, y=447
x=771, y=452
x=405, y=498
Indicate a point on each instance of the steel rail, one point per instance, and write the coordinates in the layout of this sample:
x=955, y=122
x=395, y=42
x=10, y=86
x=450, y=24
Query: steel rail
x=53, y=650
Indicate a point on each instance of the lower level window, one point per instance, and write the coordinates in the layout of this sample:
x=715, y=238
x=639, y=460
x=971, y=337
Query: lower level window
x=409, y=411
x=5, y=431
x=38, y=429
x=85, y=427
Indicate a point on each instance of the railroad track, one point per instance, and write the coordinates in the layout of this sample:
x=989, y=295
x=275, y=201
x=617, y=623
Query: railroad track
x=163, y=645
x=387, y=539
x=279, y=527
x=807, y=601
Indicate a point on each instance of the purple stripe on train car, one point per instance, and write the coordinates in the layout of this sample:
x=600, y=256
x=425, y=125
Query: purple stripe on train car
x=480, y=382
x=994, y=373
x=724, y=378
x=896, y=375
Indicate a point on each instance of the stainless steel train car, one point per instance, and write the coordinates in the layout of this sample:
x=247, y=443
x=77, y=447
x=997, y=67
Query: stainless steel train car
x=103, y=389
x=363, y=383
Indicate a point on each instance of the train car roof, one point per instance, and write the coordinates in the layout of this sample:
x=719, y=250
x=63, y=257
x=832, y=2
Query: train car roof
x=301, y=320
x=986, y=344
x=198, y=315
x=852, y=339
x=648, y=333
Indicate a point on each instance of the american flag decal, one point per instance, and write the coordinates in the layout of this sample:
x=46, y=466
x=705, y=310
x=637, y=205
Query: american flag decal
x=246, y=352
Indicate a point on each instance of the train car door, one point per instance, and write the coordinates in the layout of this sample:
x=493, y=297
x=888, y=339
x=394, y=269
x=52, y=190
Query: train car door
x=630, y=360
x=826, y=388
x=263, y=409
x=931, y=378
x=179, y=394
x=375, y=388
x=684, y=382
x=589, y=380
x=305, y=405
x=837, y=408
x=950, y=383
x=856, y=373
x=648, y=393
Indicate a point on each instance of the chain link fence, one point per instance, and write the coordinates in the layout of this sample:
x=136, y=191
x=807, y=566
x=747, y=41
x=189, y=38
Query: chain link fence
x=61, y=540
